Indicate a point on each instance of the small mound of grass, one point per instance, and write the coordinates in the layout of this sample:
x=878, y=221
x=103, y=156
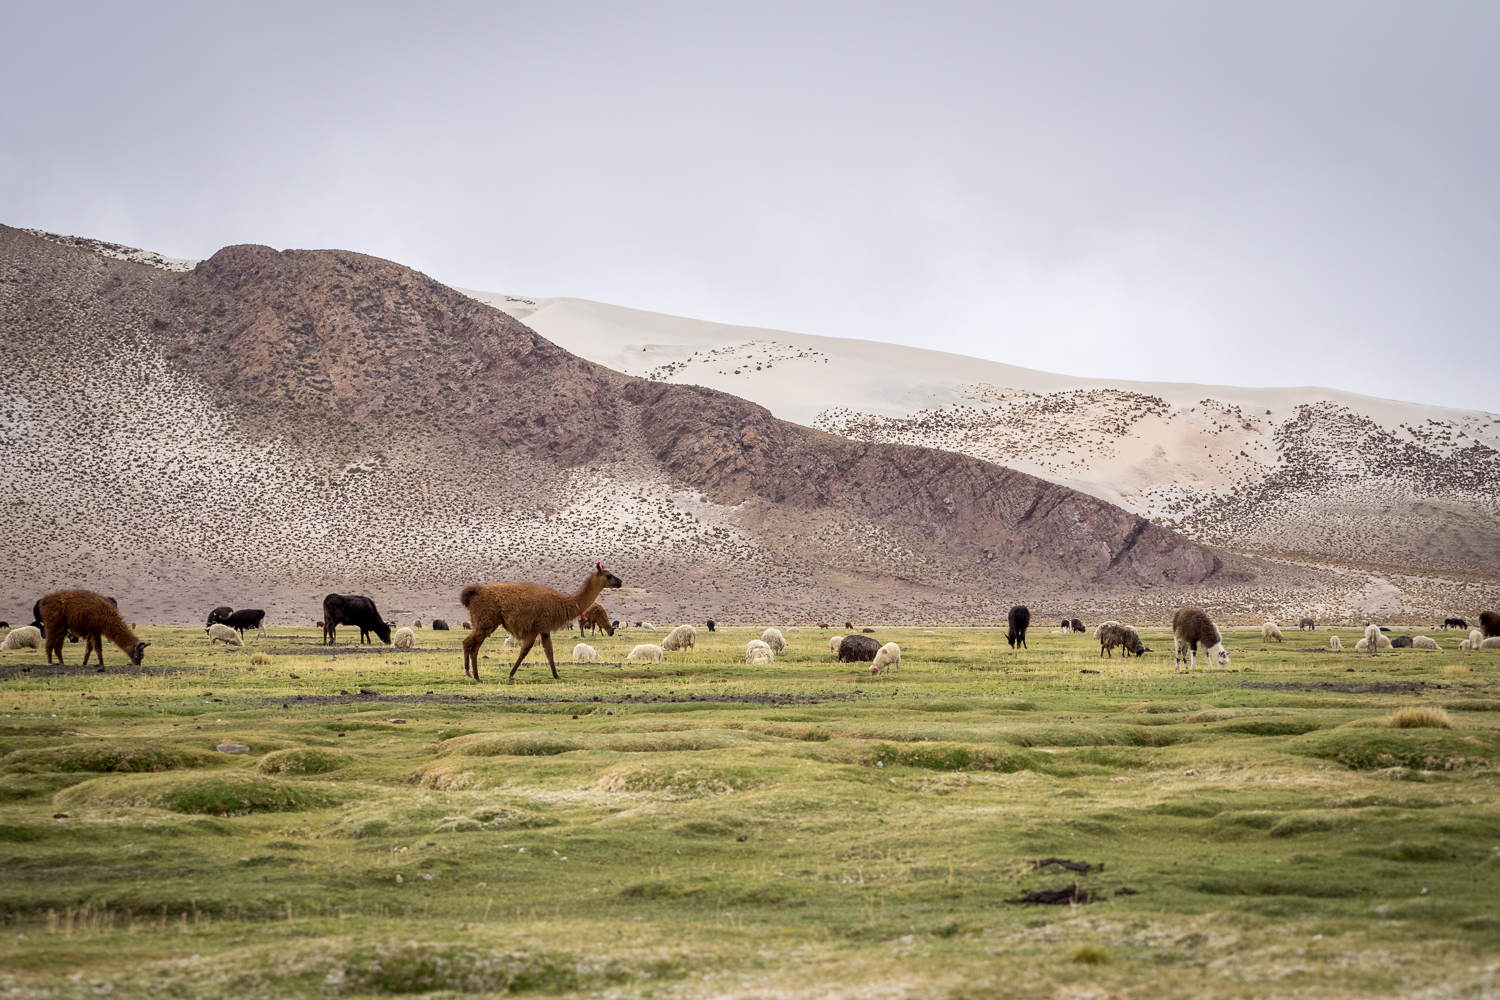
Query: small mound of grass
x=302, y=760
x=1272, y=727
x=260, y=659
x=214, y=794
x=1089, y=954
x=1419, y=717
x=1455, y=670
x=933, y=755
x=1382, y=748
x=105, y=755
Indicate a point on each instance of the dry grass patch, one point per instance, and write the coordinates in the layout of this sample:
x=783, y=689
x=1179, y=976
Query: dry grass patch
x=1419, y=717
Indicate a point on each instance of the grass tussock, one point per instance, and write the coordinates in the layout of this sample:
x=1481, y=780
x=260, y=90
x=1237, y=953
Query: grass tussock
x=1089, y=954
x=126, y=757
x=303, y=760
x=1380, y=748
x=213, y=794
x=260, y=658
x=1419, y=717
x=1455, y=670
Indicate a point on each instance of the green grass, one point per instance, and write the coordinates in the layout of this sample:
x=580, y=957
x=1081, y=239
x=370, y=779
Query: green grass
x=702, y=827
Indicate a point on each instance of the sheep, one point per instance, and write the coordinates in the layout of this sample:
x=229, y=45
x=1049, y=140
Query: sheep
x=584, y=653
x=794, y=630
x=1077, y=625
x=25, y=637
x=773, y=638
x=833, y=643
x=219, y=632
x=246, y=618
x=440, y=625
x=512, y=643
x=1192, y=627
x=1374, y=640
x=528, y=612
x=218, y=614
x=645, y=651
x=857, y=648
x=1493, y=642
x=92, y=616
x=1364, y=644
x=356, y=610
x=681, y=637
x=465, y=625
x=849, y=625
x=1464, y=645
x=1101, y=625
x=887, y=660
x=1020, y=620
x=596, y=618
x=1307, y=625
x=758, y=654
x=1333, y=642
x=1423, y=642
x=1489, y=623
x=405, y=638
x=1454, y=623
x=1123, y=636
x=1269, y=631
x=711, y=624
x=1401, y=642
x=648, y=626
x=1474, y=638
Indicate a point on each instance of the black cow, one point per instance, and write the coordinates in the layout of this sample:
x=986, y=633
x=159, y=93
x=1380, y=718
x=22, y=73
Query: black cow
x=440, y=625
x=353, y=609
x=219, y=614
x=1020, y=621
x=244, y=618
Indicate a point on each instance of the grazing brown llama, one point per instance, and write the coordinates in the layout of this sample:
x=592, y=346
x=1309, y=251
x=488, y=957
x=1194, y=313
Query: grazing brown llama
x=596, y=618
x=92, y=616
x=1192, y=627
x=529, y=612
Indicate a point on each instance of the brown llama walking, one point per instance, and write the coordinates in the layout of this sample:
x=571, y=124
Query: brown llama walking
x=528, y=612
x=596, y=618
x=92, y=616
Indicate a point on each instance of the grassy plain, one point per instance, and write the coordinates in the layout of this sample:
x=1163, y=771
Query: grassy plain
x=704, y=828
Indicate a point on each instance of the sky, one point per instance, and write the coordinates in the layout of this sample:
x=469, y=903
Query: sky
x=1256, y=193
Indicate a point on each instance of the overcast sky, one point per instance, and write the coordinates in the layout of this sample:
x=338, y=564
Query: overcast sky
x=1256, y=193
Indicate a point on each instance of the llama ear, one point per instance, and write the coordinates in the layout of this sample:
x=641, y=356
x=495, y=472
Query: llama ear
x=599, y=565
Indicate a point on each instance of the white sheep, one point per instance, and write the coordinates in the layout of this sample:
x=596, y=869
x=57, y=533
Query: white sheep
x=645, y=651
x=1423, y=642
x=1364, y=644
x=1373, y=639
x=218, y=631
x=833, y=643
x=1475, y=638
x=1493, y=642
x=1101, y=625
x=511, y=642
x=1269, y=631
x=648, y=626
x=681, y=637
x=1333, y=642
x=25, y=637
x=1464, y=646
x=773, y=638
x=584, y=653
x=404, y=638
x=759, y=654
x=887, y=659
x=794, y=630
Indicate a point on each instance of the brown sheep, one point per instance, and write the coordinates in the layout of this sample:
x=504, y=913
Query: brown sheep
x=528, y=611
x=1110, y=636
x=92, y=616
x=596, y=618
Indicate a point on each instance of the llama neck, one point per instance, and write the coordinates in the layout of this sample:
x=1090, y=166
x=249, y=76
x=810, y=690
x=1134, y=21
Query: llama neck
x=588, y=592
x=119, y=633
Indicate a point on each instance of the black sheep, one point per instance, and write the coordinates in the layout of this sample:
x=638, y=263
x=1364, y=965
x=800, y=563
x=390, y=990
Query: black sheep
x=1078, y=625
x=1401, y=642
x=710, y=624
x=356, y=610
x=440, y=625
x=1020, y=621
x=856, y=648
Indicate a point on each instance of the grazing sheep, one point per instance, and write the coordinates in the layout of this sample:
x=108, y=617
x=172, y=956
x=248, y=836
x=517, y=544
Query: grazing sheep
x=833, y=643
x=404, y=638
x=1019, y=620
x=1493, y=642
x=1464, y=645
x=1454, y=623
x=25, y=637
x=1123, y=636
x=1364, y=644
x=1065, y=627
x=1191, y=627
x=511, y=642
x=218, y=614
x=596, y=618
x=1307, y=625
x=1423, y=642
x=1101, y=625
x=711, y=624
x=758, y=654
x=1474, y=638
x=1401, y=642
x=1374, y=640
x=681, y=637
x=92, y=616
x=648, y=626
x=1489, y=624
x=773, y=638
x=1077, y=624
x=794, y=630
x=466, y=625
x=584, y=653
x=645, y=651
x=1269, y=631
x=528, y=612
x=858, y=648
x=440, y=625
x=848, y=625
x=1333, y=642
x=887, y=660
x=219, y=632
x=356, y=610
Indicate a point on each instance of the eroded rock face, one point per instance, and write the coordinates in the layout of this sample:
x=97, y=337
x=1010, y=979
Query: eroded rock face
x=295, y=417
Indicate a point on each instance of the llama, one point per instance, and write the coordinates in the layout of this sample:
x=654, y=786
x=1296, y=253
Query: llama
x=1269, y=631
x=1065, y=627
x=773, y=638
x=1364, y=644
x=356, y=610
x=1192, y=627
x=584, y=653
x=1423, y=642
x=1489, y=623
x=712, y=624
x=849, y=625
x=887, y=660
x=1453, y=623
x=219, y=632
x=1474, y=638
x=529, y=612
x=758, y=654
x=404, y=638
x=1373, y=638
x=681, y=637
x=833, y=643
x=1123, y=636
x=92, y=616
x=645, y=651
x=1019, y=620
x=25, y=637
x=596, y=618
x=1333, y=642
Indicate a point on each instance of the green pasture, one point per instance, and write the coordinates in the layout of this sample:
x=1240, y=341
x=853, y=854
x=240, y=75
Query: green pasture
x=982, y=823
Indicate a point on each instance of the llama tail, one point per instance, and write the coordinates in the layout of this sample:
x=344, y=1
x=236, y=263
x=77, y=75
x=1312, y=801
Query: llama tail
x=468, y=594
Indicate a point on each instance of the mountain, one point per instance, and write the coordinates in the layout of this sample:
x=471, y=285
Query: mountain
x=264, y=427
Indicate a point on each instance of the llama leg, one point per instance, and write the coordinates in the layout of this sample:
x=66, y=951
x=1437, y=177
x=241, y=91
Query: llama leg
x=525, y=648
x=547, y=648
x=472, y=642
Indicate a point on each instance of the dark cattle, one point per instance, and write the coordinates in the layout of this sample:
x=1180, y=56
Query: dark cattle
x=1307, y=623
x=219, y=614
x=1489, y=624
x=1455, y=623
x=246, y=618
x=1078, y=625
x=1401, y=642
x=867, y=630
x=439, y=625
x=4, y=624
x=856, y=648
x=710, y=624
x=1020, y=621
x=353, y=609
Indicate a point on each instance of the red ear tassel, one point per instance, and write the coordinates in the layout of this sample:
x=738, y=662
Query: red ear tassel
x=600, y=566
